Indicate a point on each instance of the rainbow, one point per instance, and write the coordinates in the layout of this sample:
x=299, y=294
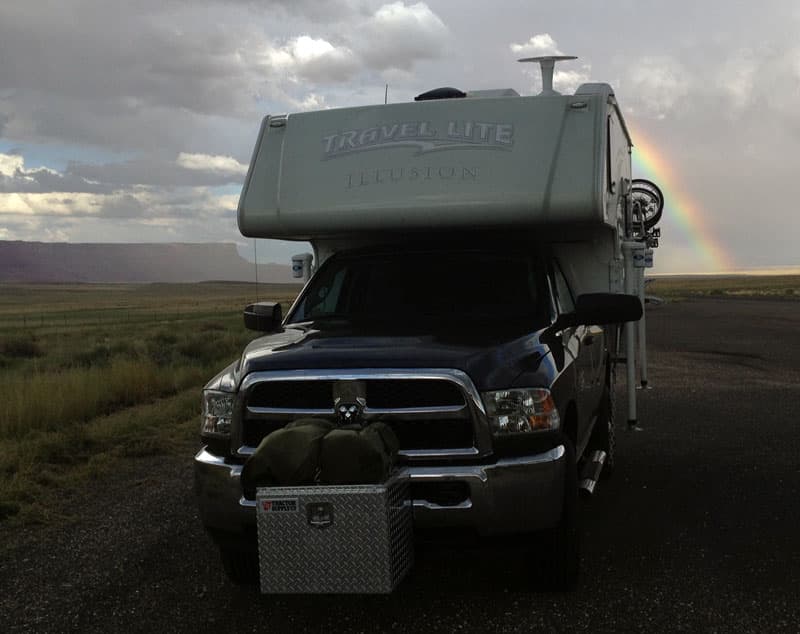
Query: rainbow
x=678, y=204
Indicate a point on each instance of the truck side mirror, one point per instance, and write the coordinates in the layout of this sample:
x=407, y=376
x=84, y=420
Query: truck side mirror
x=601, y=308
x=607, y=308
x=263, y=316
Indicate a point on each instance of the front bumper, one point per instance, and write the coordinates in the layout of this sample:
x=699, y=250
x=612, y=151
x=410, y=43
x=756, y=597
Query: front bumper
x=512, y=495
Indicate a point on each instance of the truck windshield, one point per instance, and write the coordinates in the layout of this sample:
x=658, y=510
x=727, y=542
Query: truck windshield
x=423, y=286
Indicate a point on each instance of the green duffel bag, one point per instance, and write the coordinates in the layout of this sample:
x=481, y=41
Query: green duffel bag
x=358, y=456
x=286, y=457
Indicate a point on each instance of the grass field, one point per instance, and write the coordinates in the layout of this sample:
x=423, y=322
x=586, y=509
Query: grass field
x=773, y=286
x=93, y=373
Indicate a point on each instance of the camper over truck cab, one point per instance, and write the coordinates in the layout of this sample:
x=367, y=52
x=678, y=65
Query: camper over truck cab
x=474, y=282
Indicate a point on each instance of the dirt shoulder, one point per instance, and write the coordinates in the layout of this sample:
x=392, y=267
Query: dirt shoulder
x=89, y=573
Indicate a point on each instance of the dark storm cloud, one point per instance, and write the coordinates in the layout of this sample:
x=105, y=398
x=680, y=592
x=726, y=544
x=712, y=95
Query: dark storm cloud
x=316, y=11
x=149, y=75
x=125, y=206
x=122, y=78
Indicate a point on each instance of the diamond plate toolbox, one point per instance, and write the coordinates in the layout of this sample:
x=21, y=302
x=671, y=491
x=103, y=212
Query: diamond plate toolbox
x=334, y=539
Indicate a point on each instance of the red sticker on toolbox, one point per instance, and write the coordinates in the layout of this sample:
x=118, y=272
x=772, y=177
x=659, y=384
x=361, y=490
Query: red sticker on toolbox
x=281, y=505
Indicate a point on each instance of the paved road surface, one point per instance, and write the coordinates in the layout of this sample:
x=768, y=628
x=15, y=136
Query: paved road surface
x=698, y=531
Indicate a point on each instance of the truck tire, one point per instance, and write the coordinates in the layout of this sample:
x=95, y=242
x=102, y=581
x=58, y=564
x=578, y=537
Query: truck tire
x=604, y=433
x=561, y=565
x=241, y=566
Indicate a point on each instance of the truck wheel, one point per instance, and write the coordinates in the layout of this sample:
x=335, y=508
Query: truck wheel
x=562, y=543
x=241, y=566
x=604, y=433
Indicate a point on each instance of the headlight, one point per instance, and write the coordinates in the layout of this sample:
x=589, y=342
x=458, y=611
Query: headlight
x=521, y=410
x=217, y=413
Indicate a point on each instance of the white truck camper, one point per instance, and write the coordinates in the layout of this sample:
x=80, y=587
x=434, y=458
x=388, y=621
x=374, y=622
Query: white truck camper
x=523, y=212
x=554, y=167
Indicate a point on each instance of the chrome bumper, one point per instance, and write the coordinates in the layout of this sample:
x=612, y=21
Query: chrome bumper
x=513, y=495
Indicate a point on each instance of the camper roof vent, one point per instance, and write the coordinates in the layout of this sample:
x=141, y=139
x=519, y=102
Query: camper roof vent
x=441, y=93
x=491, y=94
x=547, y=63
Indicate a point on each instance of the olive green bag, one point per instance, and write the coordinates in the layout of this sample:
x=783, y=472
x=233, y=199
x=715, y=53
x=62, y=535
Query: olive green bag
x=358, y=456
x=310, y=451
x=286, y=457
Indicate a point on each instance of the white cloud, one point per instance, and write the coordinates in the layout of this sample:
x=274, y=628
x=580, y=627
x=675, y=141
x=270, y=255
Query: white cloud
x=52, y=204
x=312, y=101
x=305, y=57
x=567, y=81
x=305, y=71
x=399, y=35
x=16, y=178
x=211, y=163
x=10, y=163
x=141, y=204
x=139, y=214
x=656, y=86
x=306, y=49
x=537, y=46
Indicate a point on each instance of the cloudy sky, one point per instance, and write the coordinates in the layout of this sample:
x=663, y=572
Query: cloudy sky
x=134, y=121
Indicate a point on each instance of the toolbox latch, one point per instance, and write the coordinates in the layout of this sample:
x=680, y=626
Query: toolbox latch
x=320, y=514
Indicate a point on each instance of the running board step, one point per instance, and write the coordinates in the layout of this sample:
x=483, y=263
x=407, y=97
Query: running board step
x=591, y=473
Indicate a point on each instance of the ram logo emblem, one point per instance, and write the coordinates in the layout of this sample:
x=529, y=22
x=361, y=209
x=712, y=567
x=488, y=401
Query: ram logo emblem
x=349, y=412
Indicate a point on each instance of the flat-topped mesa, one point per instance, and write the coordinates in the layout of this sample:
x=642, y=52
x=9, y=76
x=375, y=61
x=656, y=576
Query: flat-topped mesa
x=451, y=160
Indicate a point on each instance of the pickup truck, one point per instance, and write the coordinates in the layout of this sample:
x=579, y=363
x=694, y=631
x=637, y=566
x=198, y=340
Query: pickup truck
x=496, y=378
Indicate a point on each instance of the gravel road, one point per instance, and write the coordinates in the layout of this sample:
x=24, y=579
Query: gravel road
x=697, y=531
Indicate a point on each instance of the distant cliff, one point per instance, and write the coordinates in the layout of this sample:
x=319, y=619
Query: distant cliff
x=174, y=262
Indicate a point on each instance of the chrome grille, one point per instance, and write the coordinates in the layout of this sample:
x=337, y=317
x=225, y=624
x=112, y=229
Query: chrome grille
x=380, y=394
x=435, y=413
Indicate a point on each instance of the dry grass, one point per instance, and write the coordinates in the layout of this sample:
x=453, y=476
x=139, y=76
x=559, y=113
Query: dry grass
x=772, y=286
x=90, y=375
x=45, y=400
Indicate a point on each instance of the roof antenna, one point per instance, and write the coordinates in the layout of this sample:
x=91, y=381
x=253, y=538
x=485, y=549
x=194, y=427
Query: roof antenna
x=386, y=95
x=547, y=63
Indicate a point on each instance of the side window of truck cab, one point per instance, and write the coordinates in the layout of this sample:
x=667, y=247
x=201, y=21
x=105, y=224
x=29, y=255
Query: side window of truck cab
x=564, y=297
x=325, y=298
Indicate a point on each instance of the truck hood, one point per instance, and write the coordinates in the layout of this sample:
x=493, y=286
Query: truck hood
x=494, y=358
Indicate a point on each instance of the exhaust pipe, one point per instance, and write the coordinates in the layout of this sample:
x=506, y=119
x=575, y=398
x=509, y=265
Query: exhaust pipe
x=591, y=473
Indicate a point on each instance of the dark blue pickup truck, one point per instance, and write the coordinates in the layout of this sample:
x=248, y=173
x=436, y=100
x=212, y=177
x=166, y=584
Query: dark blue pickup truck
x=497, y=380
